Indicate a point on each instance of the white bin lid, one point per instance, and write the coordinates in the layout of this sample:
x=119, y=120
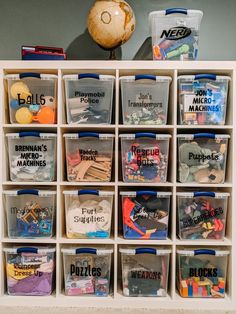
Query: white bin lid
x=158, y=136
x=191, y=194
x=87, y=251
x=162, y=13
x=100, y=193
x=207, y=135
x=13, y=250
x=40, y=192
x=134, y=251
x=219, y=78
x=41, y=135
x=192, y=252
x=100, y=136
x=42, y=76
x=134, y=193
x=159, y=78
x=75, y=77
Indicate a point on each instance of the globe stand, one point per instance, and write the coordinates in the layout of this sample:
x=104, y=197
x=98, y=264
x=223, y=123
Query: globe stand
x=112, y=55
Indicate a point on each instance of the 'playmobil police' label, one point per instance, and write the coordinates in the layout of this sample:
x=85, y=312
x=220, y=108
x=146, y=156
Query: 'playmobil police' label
x=89, y=98
x=176, y=33
x=202, y=101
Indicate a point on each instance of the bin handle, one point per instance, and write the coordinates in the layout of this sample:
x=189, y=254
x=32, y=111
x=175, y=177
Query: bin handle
x=176, y=10
x=204, y=135
x=27, y=250
x=145, y=77
x=144, y=134
x=145, y=251
x=204, y=252
x=31, y=133
x=90, y=192
x=29, y=74
x=138, y=193
x=85, y=250
x=88, y=134
x=211, y=194
x=31, y=192
x=88, y=75
x=205, y=76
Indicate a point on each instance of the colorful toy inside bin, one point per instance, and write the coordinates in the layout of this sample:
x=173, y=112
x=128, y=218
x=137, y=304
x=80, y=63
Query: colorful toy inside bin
x=32, y=156
x=89, y=98
x=203, y=99
x=202, y=157
x=32, y=98
x=30, y=213
x=145, y=99
x=88, y=213
x=145, y=271
x=87, y=271
x=89, y=156
x=30, y=270
x=175, y=33
x=145, y=214
x=201, y=273
x=202, y=215
x=145, y=157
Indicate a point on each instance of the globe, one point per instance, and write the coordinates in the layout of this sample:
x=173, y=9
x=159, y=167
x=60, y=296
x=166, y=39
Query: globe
x=111, y=23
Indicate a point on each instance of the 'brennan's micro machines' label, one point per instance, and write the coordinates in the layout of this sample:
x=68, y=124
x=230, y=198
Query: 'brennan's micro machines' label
x=31, y=155
x=201, y=101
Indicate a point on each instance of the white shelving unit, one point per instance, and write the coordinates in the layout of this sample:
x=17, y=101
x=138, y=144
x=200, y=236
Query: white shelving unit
x=120, y=68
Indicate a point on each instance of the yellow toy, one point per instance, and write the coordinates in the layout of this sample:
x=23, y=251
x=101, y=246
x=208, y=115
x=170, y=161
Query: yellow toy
x=24, y=116
x=20, y=88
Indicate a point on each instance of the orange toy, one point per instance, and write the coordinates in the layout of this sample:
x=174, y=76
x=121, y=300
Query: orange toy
x=45, y=116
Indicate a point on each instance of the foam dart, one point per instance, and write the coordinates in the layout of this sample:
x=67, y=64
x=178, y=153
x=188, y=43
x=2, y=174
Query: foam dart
x=45, y=116
x=157, y=52
x=19, y=88
x=218, y=225
x=175, y=53
x=23, y=116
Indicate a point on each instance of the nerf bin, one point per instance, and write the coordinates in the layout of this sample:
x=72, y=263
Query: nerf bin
x=144, y=157
x=32, y=156
x=145, y=214
x=89, y=98
x=89, y=156
x=30, y=213
x=32, y=98
x=203, y=99
x=202, y=215
x=201, y=273
x=30, y=270
x=202, y=157
x=145, y=99
x=175, y=33
x=88, y=213
x=145, y=271
x=87, y=271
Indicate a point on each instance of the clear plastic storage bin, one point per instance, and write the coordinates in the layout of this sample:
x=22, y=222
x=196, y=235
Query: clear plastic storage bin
x=175, y=33
x=30, y=270
x=30, y=213
x=144, y=157
x=203, y=99
x=145, y=271
x=145, y=214
x=89, y=98
x=89, y=156
x=88, y=213
x=201, y=273
x=32, y=156
x=202, y=215
x=32, y=98
x=145, y=99
x=202, y=157
x=87, y=271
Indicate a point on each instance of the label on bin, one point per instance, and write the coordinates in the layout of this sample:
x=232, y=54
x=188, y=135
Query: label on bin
x=32, y=99
x=176, y=33
x=144, y=101
x=90, y=98
x=31, y=155
x=203, y=272
x=145, y=156
x=205, y=216
x=202, y=101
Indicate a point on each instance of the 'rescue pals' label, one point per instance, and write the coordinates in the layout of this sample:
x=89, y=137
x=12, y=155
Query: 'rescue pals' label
x=201, y=101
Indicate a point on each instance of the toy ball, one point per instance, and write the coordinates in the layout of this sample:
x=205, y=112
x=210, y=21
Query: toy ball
x=24, y=116
x=45, y=116
x=20, y=88
x=14, y=104
x=50, y=102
